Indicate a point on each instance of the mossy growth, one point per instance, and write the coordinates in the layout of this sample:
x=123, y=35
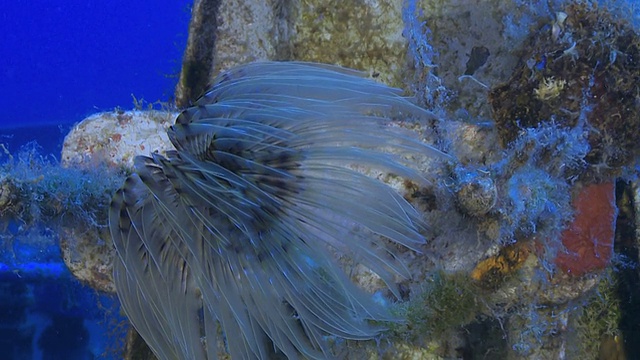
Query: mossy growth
x=37, y=190
x=443, y=305
x=597, y=325
x=354, y=34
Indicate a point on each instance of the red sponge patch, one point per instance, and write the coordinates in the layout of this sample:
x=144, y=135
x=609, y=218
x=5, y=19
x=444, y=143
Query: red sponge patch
x=588, y=240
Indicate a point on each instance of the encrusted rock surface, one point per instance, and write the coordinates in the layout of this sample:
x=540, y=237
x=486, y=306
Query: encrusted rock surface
x=116, y=137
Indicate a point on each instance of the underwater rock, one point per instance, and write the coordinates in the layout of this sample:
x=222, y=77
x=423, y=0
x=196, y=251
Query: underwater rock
x=197, y=61
x=227, y=33
x=364, y=35
x=494, y=271
x=6, y=193
x=116, y=137
x=472, y=143
x=581, y=71
x=89, y=256
x=538, y=333
x=474, y=46
x=110, y=139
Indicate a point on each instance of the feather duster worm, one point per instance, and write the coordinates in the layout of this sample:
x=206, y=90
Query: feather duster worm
x=230, y=235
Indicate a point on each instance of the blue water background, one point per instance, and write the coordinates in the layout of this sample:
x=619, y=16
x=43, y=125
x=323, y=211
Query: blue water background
x=64, y=60
x=61, y=61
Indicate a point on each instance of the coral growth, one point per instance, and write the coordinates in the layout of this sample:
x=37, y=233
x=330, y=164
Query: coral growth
x=439, y=307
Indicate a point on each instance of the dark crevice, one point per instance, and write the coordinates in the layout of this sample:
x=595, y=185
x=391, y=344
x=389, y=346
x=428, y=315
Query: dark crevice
x=198, y=57
x=626, y=247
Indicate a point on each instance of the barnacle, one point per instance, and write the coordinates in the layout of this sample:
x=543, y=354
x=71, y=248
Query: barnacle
x=234, y=229
x=476, y=195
